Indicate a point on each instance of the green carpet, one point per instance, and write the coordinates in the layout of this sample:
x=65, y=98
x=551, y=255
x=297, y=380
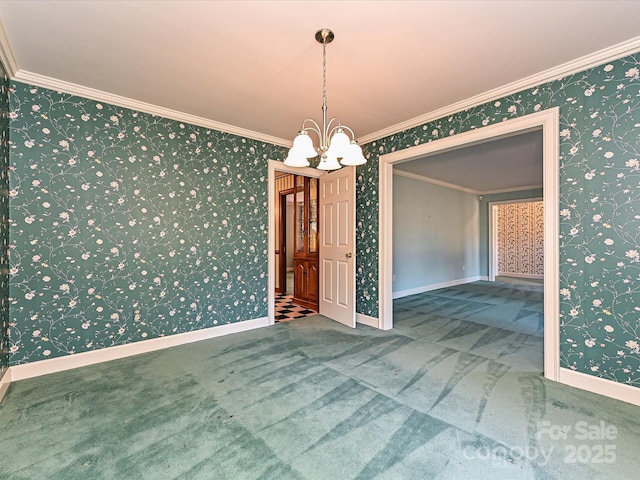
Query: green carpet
x=453, y=392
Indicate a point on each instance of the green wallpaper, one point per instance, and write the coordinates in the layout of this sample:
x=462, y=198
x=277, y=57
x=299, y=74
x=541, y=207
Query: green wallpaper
x=599, y=202
x=126, y=226
x=4, y=220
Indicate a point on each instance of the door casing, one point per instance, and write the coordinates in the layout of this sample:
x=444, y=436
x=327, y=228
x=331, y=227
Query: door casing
x=547, y=120
x=282, y=247
x=272, y=226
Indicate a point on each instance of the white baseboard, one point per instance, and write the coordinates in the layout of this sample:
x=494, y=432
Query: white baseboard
x=436, y=286
x=44, y=367
x=601, y=386
x=5, y=381
x=367, y=320
x=520, y=275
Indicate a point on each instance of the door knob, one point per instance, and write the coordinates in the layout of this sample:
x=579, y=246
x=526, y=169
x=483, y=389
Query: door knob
x=349, y=255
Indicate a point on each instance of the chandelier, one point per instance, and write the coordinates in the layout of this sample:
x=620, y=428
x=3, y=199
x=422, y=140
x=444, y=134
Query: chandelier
x=336, y=148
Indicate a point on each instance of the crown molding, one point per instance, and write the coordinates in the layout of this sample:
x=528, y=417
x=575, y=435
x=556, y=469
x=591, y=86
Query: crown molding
x=24, y=76
x=508, y=190
x=574, y=66
x=101, y=96
x=517, y=200
x=583, y=63
x=422, y=178
x=6, y=53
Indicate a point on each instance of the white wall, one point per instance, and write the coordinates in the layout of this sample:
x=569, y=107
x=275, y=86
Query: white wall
x=436, y=236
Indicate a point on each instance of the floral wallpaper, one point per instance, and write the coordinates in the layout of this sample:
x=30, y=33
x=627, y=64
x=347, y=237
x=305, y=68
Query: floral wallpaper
x=126, y=226
x=521, y=238
x=599, y=203
x=4, y=220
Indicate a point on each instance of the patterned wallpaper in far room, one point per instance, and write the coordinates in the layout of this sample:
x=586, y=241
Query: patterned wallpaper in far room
x=126, y=226
x=521, y=238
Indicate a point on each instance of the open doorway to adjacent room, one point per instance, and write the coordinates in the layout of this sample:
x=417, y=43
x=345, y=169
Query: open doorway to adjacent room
x=456, y=298
x=324, y=241
x=296, y=285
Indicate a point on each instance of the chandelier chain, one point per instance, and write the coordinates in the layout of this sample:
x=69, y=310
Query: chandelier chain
x=324, y=75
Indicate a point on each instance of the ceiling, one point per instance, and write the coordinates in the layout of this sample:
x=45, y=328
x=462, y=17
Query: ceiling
x=256, y=67
x=510, y=163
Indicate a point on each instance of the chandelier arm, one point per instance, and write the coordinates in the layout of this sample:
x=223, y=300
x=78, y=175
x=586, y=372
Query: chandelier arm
x=329, y=129
x=353, y=135
x=341, y=127
x=313, y=128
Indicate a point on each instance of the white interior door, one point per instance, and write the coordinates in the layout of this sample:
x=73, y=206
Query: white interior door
x=337, y=246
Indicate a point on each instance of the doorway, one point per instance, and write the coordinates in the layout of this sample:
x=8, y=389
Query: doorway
x=284, y=233
x=297, y=287
x=548, y=121
x=336, y=262
x=287, y=214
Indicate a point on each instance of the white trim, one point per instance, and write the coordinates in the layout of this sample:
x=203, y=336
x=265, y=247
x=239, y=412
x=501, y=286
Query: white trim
x=6, y=53
x=551, y=251
x=520, y=275
x=366, y=320
x=493, y=240
x=422, y=178
x=477, y=136
x=516, y=189
x=437, y=286
x=433, y=181
x=517, y=200
x=271, y=243
x=5, y=381
x=549, y=121
x=578, y=65
x=588, y=61
x=120, y=101
x=60, y=364
x=601, y=386
x=385, y=244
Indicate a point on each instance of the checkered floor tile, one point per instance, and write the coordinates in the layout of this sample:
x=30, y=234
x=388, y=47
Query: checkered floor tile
x=286, y=310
